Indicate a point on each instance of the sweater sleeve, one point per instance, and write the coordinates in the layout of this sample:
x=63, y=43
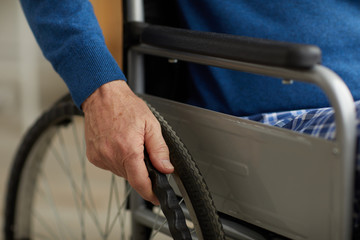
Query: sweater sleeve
x=70, y=37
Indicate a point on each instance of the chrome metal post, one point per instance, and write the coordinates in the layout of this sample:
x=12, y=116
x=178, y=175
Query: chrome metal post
x=135, y=77
x=136, y=81
x=135, y=10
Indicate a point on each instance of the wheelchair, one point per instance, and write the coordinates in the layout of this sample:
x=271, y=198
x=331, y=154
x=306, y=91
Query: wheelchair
x=234, y=178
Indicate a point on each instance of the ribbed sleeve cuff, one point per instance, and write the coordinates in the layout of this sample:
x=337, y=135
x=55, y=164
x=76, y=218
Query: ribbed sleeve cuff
x=88, y=65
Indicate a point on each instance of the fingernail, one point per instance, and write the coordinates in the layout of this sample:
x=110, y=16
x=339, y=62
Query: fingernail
x=167, y=164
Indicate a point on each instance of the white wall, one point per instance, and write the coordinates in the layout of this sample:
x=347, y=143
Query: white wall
x=28, y=84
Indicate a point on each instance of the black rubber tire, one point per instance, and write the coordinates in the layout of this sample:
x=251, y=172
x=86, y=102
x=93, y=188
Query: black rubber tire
x=61, y=114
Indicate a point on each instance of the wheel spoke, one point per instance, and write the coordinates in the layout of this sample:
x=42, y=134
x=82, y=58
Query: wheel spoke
x=81, y=151
x=46, y=227
x=83, y=203
x=50, y=199
x=122, y=215
x=69, y=175
x=158, y=230
x=81, y=156
x=75, y=190
x=121, y=207
x=41, y=236
x=79, y=146
x=156, y=218
x=106, y=233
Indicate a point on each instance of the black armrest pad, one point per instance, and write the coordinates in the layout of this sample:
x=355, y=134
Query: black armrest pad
x=232, y=47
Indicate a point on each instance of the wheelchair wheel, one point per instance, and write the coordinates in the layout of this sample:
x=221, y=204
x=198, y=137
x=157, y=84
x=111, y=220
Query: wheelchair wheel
x=54, y=193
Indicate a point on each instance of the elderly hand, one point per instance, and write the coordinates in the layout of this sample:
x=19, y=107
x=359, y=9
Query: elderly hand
x=117, y=126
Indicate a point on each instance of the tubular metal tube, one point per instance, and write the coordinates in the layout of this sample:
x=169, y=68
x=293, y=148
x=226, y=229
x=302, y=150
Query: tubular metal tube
x=135, y=10
x=136, y=72
x=135, y=13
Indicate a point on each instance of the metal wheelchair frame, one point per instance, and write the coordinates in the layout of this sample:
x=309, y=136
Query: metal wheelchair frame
x=261, y=166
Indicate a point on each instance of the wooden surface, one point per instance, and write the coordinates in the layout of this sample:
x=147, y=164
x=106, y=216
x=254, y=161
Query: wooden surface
x=110, y=16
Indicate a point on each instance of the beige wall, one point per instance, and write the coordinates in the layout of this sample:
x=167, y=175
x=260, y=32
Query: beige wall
x=28, y=84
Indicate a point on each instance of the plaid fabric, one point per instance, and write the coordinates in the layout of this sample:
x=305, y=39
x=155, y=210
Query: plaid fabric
x=319, y=123
x=316, y=122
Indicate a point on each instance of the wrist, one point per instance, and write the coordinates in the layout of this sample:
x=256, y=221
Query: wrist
x=105, y=93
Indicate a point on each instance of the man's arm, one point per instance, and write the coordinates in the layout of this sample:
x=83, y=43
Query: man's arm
x=117, y=123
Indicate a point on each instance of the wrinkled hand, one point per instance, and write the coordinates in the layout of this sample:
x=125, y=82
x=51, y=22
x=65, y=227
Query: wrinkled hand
x=117, y=126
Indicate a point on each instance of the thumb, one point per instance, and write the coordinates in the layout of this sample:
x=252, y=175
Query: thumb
x=157, y=148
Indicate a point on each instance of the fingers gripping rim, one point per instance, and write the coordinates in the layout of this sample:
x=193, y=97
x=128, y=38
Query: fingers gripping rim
x=199, y=197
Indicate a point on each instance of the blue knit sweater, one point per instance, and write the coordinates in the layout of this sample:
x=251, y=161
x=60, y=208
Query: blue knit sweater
x=71, y=39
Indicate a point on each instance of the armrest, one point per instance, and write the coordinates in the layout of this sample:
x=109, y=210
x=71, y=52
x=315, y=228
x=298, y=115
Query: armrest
x=232, y=47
